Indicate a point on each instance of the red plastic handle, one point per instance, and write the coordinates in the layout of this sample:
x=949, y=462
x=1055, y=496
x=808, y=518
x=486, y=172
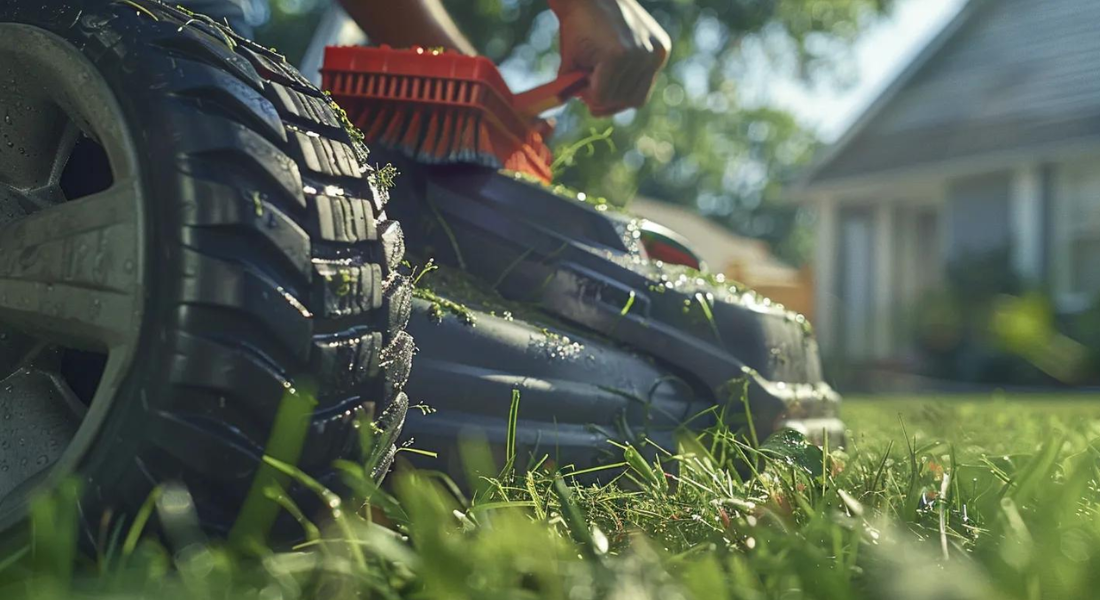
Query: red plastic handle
x=534, y=102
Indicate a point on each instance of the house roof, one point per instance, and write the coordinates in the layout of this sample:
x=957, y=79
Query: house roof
x=1003, y=76
x=719, y=247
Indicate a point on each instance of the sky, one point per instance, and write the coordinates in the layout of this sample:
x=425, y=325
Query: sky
x=880, y=55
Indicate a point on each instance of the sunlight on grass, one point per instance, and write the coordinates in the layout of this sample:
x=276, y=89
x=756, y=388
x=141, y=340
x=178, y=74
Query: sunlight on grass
x=930, y=498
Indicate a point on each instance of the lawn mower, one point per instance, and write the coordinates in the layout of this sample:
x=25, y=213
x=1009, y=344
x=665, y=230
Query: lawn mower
x=605, y=328
x=201, y=264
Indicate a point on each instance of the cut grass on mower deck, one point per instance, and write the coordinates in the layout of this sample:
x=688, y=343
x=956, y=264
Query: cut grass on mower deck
x=933, y=498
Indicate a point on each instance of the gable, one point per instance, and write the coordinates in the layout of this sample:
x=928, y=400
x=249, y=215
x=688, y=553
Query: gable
x=1011, y=75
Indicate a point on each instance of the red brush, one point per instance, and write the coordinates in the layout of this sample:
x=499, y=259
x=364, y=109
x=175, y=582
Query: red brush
x=442, y=107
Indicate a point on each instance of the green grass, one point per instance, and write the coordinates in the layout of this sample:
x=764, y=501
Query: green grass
x=930, y=498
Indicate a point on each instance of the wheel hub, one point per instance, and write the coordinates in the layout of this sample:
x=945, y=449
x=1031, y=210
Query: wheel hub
x=71, y=272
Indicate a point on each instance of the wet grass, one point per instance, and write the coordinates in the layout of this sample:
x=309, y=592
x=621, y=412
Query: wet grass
x=947, y=497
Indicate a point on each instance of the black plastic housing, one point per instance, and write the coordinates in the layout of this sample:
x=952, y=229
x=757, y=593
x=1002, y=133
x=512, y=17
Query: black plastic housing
x=583, y=264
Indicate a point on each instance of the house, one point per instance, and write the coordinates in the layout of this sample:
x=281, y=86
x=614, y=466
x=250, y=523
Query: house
x=989, y=142
x=743, y=259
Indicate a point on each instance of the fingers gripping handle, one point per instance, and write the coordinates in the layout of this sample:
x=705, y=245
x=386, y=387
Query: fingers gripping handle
x=551, y=95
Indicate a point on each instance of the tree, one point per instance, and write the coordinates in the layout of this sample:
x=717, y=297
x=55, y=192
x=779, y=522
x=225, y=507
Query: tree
x=697, y=142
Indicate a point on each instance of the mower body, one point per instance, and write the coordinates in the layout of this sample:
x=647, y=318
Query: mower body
x=608, y=346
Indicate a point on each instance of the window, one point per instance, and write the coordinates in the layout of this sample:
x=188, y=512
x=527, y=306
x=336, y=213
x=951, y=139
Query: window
x=1077, y=234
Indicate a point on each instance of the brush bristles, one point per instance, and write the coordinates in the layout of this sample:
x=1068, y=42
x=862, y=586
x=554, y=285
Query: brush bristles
x=431, y=136
x=437, y=124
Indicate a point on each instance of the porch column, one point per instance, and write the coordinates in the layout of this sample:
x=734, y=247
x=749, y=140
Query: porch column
x=882, y=320
x=825, y=273
x=1026, y=206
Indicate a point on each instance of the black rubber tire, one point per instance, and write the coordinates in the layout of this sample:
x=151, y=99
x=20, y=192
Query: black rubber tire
x=258, y=281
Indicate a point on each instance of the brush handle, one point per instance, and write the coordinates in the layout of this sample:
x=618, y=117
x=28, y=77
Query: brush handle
x=534, y=102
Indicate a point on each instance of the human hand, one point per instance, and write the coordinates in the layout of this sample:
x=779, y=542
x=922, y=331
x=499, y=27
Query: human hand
x=618, y=43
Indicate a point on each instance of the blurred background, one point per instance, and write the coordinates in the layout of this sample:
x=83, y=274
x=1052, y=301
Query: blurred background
x=920, y=177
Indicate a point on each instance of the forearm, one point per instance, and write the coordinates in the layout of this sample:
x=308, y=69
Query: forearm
x=404, y=23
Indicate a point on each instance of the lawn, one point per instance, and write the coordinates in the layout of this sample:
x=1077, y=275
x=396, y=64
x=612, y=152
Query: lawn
x=931, y=498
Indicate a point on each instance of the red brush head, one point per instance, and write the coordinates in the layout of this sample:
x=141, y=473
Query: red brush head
x=440, y=107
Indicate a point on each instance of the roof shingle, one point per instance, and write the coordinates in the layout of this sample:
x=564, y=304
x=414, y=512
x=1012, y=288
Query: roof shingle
x=1011, y=75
